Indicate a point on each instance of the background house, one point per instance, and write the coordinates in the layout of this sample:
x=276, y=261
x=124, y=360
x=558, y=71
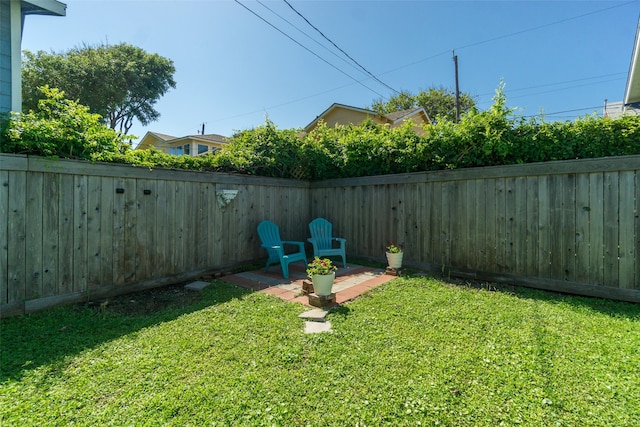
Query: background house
x=340, y=114
x=12, y=14
x=631, y=101
x=190, y=145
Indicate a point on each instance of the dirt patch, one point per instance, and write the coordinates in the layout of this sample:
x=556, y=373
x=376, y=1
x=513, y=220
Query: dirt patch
x=149, y=301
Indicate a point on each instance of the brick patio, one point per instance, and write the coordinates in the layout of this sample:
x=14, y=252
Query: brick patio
x=350, y=282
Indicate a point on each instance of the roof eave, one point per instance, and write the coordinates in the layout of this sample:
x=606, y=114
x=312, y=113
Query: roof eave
x=632, y=92
x=43, y=7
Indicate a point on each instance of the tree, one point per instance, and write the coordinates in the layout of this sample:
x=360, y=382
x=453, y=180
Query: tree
x=119, y=82
x=438, y=102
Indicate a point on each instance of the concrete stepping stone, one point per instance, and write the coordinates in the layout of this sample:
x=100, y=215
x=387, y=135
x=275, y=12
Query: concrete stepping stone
x=197, y=286
x=316, y=327
x=315, y=315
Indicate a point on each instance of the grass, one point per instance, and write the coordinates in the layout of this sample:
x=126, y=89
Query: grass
x=415, y=351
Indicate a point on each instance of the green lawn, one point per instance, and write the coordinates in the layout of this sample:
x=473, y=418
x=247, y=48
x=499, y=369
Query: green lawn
x=415, y=351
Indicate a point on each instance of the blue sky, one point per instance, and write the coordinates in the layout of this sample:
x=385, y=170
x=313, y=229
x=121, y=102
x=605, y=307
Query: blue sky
x=563, y=58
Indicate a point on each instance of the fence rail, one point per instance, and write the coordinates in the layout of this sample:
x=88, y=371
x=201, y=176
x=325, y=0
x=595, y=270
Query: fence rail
x=74, y=230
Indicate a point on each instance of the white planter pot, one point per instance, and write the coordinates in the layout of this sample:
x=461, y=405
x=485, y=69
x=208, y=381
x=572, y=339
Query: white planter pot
x=322, y=283
x=395, y=260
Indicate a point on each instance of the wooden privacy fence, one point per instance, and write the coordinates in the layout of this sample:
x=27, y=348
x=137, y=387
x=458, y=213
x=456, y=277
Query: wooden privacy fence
x=73, y=230
x=570, y=226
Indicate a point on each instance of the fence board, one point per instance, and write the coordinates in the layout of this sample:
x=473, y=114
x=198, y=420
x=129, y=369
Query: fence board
x=425, y=223
x=34, y=236
x=17, y=250
x=519, y=222
x=544, y=227
x=637, y=231
x=146, y=199
x=412, y=227
x=50, y=235
x=596, y=228
x=489, y=239
x=471, y=224
x=626, y=254
x=611, y=229
x=79, y=279
x=533, y=219
x=201, y=223
x=458, y=225
x=107, y=215
x=448, y=205
x=171, y=215
x=65, y=238
x=4, y=236
x=131, y=208
x=510, y=224
x=119, y=231
x=582, y=228
x=501, y=225
x=435, y=223
x=557, y=236
x=568, y=227
x=94, y=229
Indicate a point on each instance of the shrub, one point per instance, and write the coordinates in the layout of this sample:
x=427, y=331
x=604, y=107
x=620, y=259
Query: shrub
x=59, y=127
x=265, y=151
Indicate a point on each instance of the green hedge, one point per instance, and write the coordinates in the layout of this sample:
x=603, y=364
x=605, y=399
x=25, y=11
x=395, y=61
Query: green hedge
x=488, y=138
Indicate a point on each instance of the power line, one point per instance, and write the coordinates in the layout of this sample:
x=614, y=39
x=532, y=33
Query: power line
x=445, y=52
x=560, y=83
x=545, y=25
x=566, y=88
x=308, y=50
x=337, y=47
x=565, y=111
x=308, y=36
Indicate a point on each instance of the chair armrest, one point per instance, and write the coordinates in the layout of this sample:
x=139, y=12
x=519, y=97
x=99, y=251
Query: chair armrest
x=277, y=248
x=294, y=243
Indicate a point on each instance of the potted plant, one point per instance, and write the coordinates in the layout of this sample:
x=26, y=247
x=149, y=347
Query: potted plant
x=322, y=272
x=394, y=255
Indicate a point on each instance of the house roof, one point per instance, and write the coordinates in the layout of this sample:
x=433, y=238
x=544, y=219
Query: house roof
x=398, y=116
x=43, y=7
x=393, y=118
x=170, y=139
x=210, y=137
x=632, y=93
x=334, y=106
x=162, y=136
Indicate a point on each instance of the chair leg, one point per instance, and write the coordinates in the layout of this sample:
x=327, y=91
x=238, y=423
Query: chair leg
x=344, y=261
x=285, y=270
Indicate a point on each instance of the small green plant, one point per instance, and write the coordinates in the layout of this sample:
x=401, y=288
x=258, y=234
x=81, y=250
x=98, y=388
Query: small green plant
x=394, y=248
x=320, y=267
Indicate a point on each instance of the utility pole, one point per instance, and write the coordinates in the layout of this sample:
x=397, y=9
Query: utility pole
x=455, y=63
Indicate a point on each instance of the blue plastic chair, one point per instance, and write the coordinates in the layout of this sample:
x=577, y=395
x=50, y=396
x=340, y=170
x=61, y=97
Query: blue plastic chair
x=322, y=240
x=270, y=237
